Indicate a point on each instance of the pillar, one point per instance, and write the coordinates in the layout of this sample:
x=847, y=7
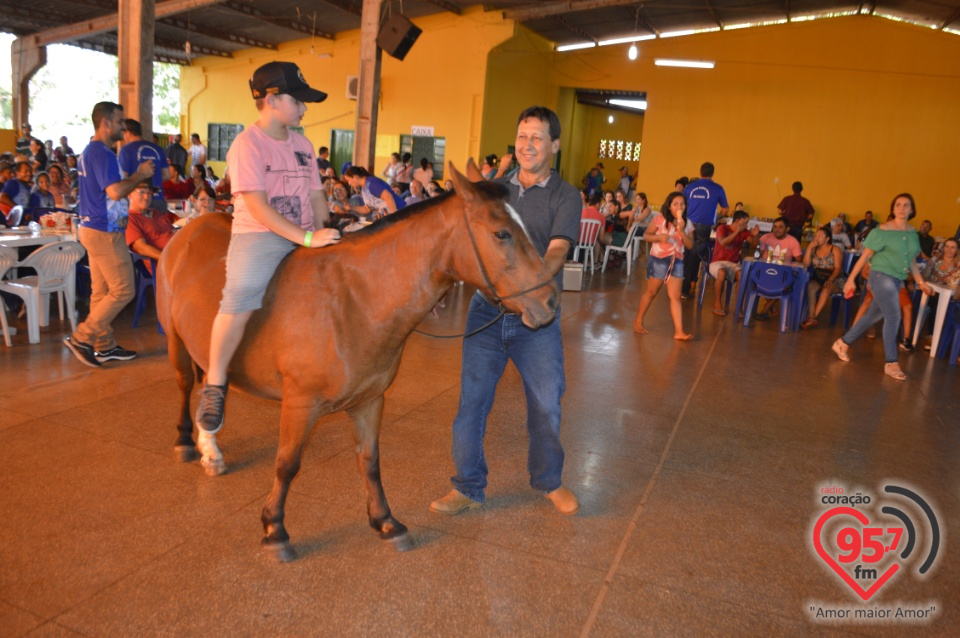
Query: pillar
x=26, y=58
x=365, y=133
x=135, y=34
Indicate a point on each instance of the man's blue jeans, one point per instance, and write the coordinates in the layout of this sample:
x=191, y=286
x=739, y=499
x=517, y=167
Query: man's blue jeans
x=886, y=305
x=538, y=355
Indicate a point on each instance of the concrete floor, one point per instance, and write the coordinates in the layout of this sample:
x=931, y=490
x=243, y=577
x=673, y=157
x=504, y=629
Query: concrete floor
x=698, y=466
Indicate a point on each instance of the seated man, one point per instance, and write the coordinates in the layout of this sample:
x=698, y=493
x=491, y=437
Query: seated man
x=174, y=188
x=725, y=263
x=927, y=242
x=838, y=236
x=780, y=243
x=148, y=230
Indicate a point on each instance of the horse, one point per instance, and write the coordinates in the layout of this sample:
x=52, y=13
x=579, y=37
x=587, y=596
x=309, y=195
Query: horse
x=334, y=322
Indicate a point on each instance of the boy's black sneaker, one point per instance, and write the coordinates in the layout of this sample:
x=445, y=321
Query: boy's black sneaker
x=83, y=351
x=210, y=411
x=116, y=353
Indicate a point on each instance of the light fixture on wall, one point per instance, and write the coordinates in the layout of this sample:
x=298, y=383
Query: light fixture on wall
x=690, y=64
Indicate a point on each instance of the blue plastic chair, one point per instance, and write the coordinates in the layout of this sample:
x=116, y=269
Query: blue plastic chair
x=771, y=282
x=949, y=340
x=143, y=280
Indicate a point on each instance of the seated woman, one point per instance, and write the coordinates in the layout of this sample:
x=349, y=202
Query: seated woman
x=610, y=210
x=60, y=187
x=943, y=271
x=640, y=213
x=827, y=277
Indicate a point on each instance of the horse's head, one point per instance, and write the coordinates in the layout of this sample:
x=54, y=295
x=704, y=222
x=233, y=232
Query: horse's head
x=498, y=256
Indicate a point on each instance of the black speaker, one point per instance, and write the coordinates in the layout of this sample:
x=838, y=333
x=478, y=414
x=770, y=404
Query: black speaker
x=397, y=36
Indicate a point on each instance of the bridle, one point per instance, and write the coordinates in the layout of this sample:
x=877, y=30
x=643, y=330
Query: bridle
x=496, y=298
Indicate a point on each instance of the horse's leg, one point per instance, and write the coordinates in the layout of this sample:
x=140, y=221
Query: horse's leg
x=366, y=434
x=185, y=449
x=296, y=420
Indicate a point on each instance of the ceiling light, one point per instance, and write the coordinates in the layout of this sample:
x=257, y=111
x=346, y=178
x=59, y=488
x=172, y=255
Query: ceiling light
x=692, y=64
x=610, y=119
x=574, y=47
x=632, y=52
x=674, y=34
x=632, y=38
x=640, y=105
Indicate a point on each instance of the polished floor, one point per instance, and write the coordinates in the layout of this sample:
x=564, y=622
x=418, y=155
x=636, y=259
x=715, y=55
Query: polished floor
x=698, y=465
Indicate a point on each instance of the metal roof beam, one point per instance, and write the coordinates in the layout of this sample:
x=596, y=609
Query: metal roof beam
x=195, y=49
x=105, y=23
x=575, y=29
x=447, y=6
x=713, y=12
x=216, y=34
x=345, y=5
x=283, y=23
x=953, y=16
x=547, y=9
x=112, y=50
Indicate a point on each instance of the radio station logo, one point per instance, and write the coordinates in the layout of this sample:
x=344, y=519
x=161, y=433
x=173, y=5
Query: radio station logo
x=871, y=542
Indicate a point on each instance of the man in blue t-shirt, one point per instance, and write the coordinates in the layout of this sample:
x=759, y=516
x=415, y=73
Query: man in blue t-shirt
x=16, y=191
x=103, y=218
x=704, y=196
x=136, y=151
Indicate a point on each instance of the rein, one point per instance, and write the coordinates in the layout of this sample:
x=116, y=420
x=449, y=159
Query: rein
x=496, y=297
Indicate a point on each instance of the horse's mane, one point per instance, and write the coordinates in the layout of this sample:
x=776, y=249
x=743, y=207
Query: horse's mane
x=489, y=191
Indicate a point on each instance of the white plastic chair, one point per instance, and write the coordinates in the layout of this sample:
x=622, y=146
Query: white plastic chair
x=589, y=231
x=14, y=216
x=627, y=248
x=8, y=257
x=54, y=264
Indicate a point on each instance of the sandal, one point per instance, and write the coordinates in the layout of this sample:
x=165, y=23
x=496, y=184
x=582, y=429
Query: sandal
x=893, y=371
x=720, y=312
x=837, y=347
x=809, y=323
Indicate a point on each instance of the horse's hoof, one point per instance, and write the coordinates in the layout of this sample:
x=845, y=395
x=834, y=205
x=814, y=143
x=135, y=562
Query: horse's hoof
x=213, y=467
x=281, y=552
x=186, y=453
x=401, y=543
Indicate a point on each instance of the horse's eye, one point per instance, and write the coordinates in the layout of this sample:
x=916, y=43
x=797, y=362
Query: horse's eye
x=502, y=235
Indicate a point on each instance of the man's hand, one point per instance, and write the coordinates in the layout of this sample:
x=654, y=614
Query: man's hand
x=147, y=169
x=324, y=237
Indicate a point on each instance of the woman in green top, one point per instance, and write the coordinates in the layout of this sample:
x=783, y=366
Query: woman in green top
x=891, y=249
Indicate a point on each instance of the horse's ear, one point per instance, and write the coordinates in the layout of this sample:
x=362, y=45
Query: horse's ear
x=463, y=185
x=473, y=173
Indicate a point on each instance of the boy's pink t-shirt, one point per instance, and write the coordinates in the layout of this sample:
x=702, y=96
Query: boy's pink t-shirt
x=286, y=170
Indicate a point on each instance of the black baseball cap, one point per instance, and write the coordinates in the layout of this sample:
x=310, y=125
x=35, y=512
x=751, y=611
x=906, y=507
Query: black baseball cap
x=276, y=78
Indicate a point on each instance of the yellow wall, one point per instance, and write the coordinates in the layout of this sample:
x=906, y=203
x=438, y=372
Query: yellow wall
x=440, y=83
x=857, y=108
x=580, y=142
x=8, y=140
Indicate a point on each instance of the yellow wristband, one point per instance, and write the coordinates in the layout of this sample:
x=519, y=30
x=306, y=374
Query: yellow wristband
x=307, y=237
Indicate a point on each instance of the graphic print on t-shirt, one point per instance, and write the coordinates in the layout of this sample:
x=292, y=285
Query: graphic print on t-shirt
x=303, y=159
x=289, y=207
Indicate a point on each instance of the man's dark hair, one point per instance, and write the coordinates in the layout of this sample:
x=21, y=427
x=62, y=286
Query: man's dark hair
x=740, y=214
x=102, y=110
x=706, y=169
x=782, y=219
x=683, y=181
x=322, y=150
x=356, y=171
x=16, y=167
x=195, y=136
x=406, y=158
x=797, y=187
x=6, y=166
x=177, y=167
x=543, y=114
x=133, y=127
x=596, y=198
x=738, y=204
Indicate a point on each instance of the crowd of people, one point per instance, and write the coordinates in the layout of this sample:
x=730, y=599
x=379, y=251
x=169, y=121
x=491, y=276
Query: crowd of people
x=693, y=225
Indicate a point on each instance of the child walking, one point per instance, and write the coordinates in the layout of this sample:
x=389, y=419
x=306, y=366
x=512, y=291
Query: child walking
x=279, y=204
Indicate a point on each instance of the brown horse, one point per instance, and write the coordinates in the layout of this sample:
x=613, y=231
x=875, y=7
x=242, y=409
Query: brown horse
x=334, y=322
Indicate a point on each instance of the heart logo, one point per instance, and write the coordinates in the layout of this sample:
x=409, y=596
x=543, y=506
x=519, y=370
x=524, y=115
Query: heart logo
x=829, y=560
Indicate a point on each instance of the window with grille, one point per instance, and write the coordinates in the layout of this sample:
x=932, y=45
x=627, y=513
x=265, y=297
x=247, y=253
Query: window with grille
x=219, y=139
x=619, y=149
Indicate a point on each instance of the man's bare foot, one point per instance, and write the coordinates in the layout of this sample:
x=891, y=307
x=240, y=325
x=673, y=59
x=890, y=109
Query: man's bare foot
x=638, y=327
x=683, y=337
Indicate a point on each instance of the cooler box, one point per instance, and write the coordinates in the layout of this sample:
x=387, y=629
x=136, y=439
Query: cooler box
x=573, y=276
